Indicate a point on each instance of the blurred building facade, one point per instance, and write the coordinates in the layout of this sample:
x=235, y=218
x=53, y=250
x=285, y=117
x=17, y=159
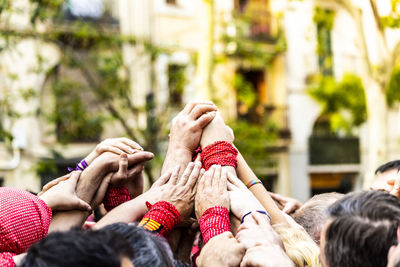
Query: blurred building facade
x=270, y=44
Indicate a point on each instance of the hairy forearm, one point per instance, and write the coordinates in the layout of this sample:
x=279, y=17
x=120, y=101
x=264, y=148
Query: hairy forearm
x=176, y=156
x=88, y=184
x=245, y=173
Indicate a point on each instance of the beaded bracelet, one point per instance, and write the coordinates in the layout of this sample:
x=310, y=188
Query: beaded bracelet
x=260, y=211
x=253, y=182
x=80, y=166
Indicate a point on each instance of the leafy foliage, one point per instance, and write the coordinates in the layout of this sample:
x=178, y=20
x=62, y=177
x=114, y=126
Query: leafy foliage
x=393, y=88
x=344, y=102
x=253, y=140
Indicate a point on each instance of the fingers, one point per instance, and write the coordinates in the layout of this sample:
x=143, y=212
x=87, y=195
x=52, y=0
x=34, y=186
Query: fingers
x=123, y=165
x=55, y=181
x=216, y=176
x=195, y=174
x=208, y=177
x=101, y=191
x=175, y=175
x=185, y=176
x=205, y=119
x=82, y=205
x=138, y=168
x=140, y=156
x=73, y=180
x=223, y=180
x=101, y=148
x=289, y=208
x=189, y=107
x=196, y=185
x=201, y=109
x=201, y=183
x=232, y=178
x=131, y=143
x=163, y=178
x=259, y=218
x=124, y=147
x=231, y=187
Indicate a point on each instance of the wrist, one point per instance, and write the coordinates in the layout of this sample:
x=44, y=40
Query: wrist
x=176, y=148
x=47, y=200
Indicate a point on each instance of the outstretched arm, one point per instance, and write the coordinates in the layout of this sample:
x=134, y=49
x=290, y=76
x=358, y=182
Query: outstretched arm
x=88, y=185
x=185, y=134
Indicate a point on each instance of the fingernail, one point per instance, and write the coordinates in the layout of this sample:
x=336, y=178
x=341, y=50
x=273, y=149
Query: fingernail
x=191, y=164
x=202, y=170
x=198, y=163
x=124, y=156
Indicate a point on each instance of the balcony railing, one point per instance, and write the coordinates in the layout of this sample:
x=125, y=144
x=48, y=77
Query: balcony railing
x=334, y=150
x=255, y=22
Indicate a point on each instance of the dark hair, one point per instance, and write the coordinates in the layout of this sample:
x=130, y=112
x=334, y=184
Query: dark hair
x=313, y=214
x=363, y=229
x=371, y=204
x=359, y=242
x=78, y=248
x=395, y=164
x=149, y=250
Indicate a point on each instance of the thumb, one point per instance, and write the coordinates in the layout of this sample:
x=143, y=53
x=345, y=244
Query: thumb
x=82, y=205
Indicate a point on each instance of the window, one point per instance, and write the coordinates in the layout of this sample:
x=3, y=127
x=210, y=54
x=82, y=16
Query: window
x=251, y=94
x=171, y=2
x=324, y=37
x=176, y=83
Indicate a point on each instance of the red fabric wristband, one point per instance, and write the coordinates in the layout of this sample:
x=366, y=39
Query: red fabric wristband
x=161, y=218
x=213, y=222
x=219, y=153
x=24, y=220
x=115, y=196
x=6, y=259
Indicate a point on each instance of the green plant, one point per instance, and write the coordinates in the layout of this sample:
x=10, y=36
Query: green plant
x=344, y=102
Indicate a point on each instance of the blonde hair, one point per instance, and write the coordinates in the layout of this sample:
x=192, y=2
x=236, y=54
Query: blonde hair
x=299, y=246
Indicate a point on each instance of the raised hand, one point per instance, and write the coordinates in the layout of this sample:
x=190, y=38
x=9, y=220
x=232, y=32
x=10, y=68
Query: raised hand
x=257, y=230
x=114, y=145
x=62, y=195
x=212, y=190
x=242, y=200
x=187, y=126
x=286, y=204
x=221, y=250
x=177, y=190
x=216, y=130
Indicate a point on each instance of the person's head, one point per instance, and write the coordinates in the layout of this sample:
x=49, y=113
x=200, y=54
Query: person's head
x=370, y=204
x=148, y=249
x=383, y=174
x=313, y=214
x=357, y=241
x=80, y=248
x=361, y=229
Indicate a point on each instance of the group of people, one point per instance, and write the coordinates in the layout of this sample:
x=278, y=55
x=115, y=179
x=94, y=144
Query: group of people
x=207, y=208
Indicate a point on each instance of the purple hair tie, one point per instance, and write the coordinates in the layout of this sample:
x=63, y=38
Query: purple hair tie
x=84, y=164
x=78, y=167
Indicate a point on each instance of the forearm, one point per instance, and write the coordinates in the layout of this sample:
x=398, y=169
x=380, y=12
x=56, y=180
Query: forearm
x=176, y=156
x=88, y=184
x=127, y=212
x=246, y=174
